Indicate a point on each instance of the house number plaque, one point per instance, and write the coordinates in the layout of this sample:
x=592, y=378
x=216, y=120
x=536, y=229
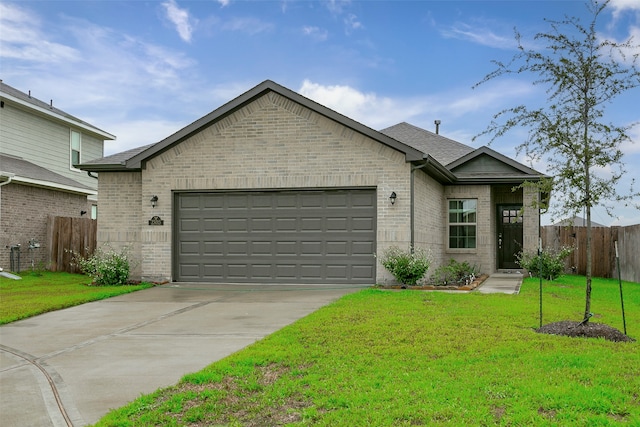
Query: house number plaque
x=156, y=220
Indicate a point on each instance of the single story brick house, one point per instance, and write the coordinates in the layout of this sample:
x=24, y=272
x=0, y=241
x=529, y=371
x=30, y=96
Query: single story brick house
x=275, y=188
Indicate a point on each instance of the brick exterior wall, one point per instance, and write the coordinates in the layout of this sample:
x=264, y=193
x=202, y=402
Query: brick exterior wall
x=484, y=255
x=274, y=143
x=119, y=214
x=430, y=219
x=23, y=216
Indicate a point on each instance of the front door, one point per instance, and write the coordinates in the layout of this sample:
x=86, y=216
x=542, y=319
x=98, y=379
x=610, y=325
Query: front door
x=509, y=235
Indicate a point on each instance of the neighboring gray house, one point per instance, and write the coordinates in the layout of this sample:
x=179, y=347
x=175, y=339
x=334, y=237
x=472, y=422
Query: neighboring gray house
x=275, y=188
x=576, y=221
x=40, y=149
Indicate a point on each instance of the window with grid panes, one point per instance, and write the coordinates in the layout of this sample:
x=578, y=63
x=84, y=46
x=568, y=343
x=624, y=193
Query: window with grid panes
x=462, y=223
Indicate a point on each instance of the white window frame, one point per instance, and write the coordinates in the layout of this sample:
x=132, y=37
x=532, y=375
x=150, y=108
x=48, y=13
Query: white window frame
x=72, y=149
x=457, y=223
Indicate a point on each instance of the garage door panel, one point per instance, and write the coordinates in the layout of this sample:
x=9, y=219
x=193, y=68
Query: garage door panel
x=261, y=248
x=362, y=271
x=211, y=248
x=213, y=271
x=362, y=224
x=190, y=224
x=286, y=224
x=311, y=248
x=286, y=201
x=363, y=200
x=362, y=248
x=212, y=224
x=311, y=224
x=337, y=224
x=188, y=201
x=212, y=203
x=262, y=201
x=337, y=248
x=336, y=271
x=286, y=248
x=237, y=248
x=236, y=271
x=237, y=201
x=310, y=271
x=190, y=271
x=301, y=236
x=261, y=224
x=286, y=271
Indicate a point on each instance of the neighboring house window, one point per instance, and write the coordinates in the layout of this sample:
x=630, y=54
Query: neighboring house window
x=462, y=223
x=76, y=146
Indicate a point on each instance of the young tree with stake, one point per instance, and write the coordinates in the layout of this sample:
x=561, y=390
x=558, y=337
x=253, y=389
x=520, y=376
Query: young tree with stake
x=582, y=75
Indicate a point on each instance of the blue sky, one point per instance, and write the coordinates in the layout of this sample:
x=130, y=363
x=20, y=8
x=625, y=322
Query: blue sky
x=141, y=70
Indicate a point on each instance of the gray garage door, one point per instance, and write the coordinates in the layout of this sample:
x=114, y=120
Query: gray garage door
x=276, y=236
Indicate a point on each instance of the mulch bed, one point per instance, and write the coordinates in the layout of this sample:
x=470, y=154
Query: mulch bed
x=459, y=287
x=588, y=330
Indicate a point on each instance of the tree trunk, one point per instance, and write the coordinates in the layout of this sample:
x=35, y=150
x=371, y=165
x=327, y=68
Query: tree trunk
x=587, y=309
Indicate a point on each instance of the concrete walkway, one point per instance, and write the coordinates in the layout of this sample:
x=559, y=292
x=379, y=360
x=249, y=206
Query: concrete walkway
x=98, y=356
x=502, y=283
x=70, y=367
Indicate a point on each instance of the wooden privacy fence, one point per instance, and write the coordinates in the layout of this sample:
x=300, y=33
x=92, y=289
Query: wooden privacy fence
x=66, y=235
x=603, y=249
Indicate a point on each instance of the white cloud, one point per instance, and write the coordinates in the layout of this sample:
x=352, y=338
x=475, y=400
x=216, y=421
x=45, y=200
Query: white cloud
x=180, y=18
x=352, y=23
x=250, y=26
x=337, y=6
x=23, y=38
x=136, y=133
x=315, y=33
x=480, y=35
x=224, y=3
x=619, y=6
x=366, y=108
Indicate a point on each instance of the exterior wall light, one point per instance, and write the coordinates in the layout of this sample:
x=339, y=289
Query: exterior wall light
x=154, y=201
x=392, y=197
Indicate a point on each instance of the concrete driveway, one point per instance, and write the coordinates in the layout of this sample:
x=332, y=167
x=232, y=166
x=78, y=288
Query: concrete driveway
x=99, y=356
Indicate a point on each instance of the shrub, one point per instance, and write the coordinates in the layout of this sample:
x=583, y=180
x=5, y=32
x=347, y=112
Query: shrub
x=406, y=266
x=107, y=267
x=455, y=272
x=548, y=265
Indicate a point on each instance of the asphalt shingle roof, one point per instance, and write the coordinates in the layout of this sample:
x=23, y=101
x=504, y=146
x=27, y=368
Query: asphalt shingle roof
x=444, y=150
x=24, y=169
x=119, y=158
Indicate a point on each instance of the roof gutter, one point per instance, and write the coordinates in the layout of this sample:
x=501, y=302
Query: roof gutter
x=47, y=112
x=9, y=176
x=59, y=187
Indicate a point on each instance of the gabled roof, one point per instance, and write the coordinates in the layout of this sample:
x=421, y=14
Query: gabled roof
x=21, y=171
x=137, y=161
x=485, y=165
x=37, y=106
x=108, y=162
x=444, y=159
x=443, y=149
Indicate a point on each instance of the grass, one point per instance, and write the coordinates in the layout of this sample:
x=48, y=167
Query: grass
x=414, y=358
x=40, y=292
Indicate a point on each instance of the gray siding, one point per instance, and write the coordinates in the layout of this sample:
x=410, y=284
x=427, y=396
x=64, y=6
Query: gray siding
x=44, y=142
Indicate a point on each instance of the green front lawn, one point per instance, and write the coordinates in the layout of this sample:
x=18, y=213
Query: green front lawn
x=411, y=358
x=41, y=292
